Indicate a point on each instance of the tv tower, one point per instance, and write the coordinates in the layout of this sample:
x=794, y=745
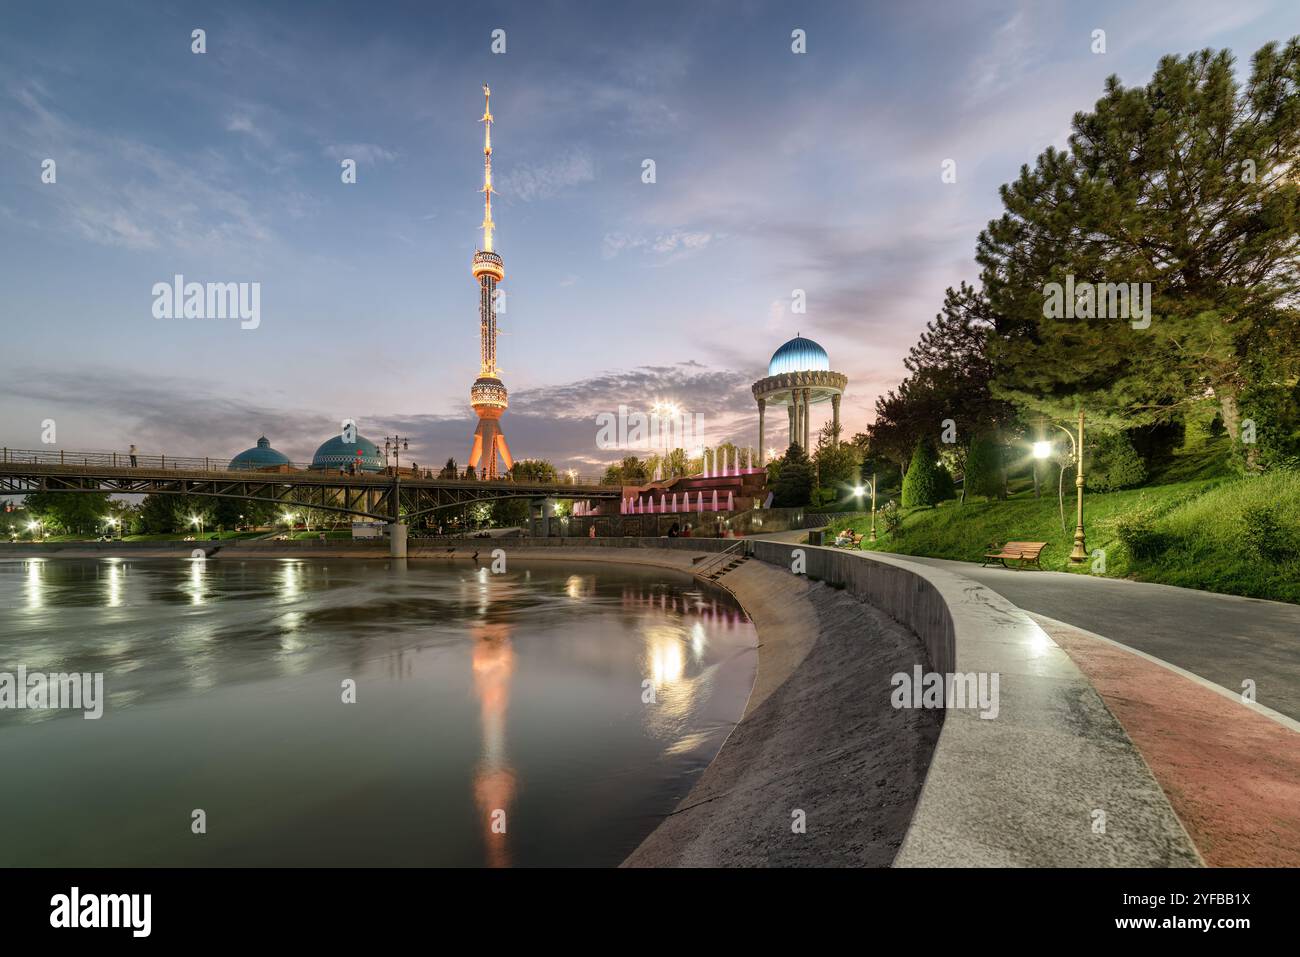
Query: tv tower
x=487, y=396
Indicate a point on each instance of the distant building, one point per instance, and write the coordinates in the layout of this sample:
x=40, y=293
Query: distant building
x=798, y=377
x=335, y=454
x=260, y=457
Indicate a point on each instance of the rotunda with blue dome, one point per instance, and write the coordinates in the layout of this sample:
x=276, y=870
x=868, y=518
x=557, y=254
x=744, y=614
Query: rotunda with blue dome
x=799, y=355
x=799, y=376
x=260, y=456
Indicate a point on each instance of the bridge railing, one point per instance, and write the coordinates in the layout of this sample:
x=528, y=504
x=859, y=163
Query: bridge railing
x=181, y=463
x=121, y=460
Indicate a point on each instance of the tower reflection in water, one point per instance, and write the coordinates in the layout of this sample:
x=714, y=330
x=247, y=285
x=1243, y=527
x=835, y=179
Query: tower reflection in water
x=494, y=778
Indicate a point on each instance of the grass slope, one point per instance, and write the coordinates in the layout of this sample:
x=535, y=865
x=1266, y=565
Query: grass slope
x=1200, y=519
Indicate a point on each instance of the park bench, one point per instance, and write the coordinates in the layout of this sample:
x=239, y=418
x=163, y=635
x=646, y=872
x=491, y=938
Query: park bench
x=856, y=542
x=1021, y=552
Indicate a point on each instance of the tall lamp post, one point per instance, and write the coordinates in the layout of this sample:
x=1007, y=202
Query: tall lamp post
x=859, y=491
x=394, y=445
x=1042, y=449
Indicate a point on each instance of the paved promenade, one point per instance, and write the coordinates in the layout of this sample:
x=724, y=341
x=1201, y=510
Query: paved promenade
x=1222, y=638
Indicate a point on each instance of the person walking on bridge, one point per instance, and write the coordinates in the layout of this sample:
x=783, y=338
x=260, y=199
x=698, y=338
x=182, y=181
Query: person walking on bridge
x=131, y=452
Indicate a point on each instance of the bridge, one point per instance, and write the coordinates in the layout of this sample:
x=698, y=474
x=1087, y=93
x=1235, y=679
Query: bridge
x=392, y=496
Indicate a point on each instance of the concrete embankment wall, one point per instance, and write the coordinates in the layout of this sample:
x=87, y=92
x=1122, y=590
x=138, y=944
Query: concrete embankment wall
x=815, y=773
x=1052, y=779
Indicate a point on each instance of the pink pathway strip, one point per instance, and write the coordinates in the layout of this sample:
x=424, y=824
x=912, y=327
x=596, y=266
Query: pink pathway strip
x=1231, y=775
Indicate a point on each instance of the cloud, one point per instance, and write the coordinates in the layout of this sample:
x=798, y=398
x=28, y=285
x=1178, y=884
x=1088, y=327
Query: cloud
x=117, y=191
x=99, y=409
x=544, y=180
x=677, y=243
x=369, y=154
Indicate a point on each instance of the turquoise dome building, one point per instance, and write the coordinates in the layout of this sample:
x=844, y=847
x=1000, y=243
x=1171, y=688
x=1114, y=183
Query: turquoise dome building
x=799, y=355
x=799, y=378
x=335, y=454
x=260, y=456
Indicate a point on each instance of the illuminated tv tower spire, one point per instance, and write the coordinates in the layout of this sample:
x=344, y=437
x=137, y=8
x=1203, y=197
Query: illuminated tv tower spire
x=487, y=396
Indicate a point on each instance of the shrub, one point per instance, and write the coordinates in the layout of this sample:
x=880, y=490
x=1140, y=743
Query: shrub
x=924, y=482
x=1116, y=464
x=1138, y=534
x=890, y=516
x=824, y=496
x=984, y=468
x=1264, y=535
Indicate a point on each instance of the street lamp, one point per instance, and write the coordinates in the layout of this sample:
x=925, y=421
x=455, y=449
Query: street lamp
x=197, y=522
x=1079, y=554
x=859, y=491
x=394, y=445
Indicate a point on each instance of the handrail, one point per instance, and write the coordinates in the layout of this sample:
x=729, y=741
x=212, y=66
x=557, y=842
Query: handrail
x=718, y=558
x=123, y=460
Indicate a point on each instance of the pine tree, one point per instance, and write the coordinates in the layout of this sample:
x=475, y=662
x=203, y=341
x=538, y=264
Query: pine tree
x=924, y=482
x=793, y=486
x=984, y=468
x=1185, y=183
x=1114, y=464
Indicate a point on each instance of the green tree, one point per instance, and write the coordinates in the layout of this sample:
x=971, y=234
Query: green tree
x=838, y=463
x=924, y=483
x=1114, y=464
x=984, y=469
x=1186, y=183
x=70, y=513
x=507, y=513
x=794, y=481
x=157, y=515
x=630, y=471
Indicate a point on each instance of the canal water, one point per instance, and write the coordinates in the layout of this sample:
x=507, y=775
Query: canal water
x=499, y=719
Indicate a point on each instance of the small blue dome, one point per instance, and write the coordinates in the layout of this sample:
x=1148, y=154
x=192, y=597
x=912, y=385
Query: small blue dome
x=799, y=355
x=335, y=454
x=260, y=456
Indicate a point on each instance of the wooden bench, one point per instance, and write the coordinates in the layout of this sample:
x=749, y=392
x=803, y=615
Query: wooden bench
x=1021, y=552
x=856, y=542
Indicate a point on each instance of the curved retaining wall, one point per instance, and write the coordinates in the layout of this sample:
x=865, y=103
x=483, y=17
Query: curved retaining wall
x=1052, y=779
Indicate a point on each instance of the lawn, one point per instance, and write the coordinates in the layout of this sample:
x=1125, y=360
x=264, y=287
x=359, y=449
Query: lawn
x=1197, y=531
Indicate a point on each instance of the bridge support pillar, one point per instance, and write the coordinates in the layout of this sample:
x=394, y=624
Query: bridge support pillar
x=542, y=512
x=397, y=539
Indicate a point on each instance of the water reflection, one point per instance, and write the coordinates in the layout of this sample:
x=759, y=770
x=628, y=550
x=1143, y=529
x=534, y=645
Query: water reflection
x=494, y=778
x=197, y=566
x=518, y=693
x=35, y=593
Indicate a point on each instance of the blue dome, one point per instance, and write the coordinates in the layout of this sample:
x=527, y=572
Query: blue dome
x=799, y=355
x=336, y=454
x=260, y=456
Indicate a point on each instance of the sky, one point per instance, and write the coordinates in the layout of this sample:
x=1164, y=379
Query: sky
x=775, y=171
